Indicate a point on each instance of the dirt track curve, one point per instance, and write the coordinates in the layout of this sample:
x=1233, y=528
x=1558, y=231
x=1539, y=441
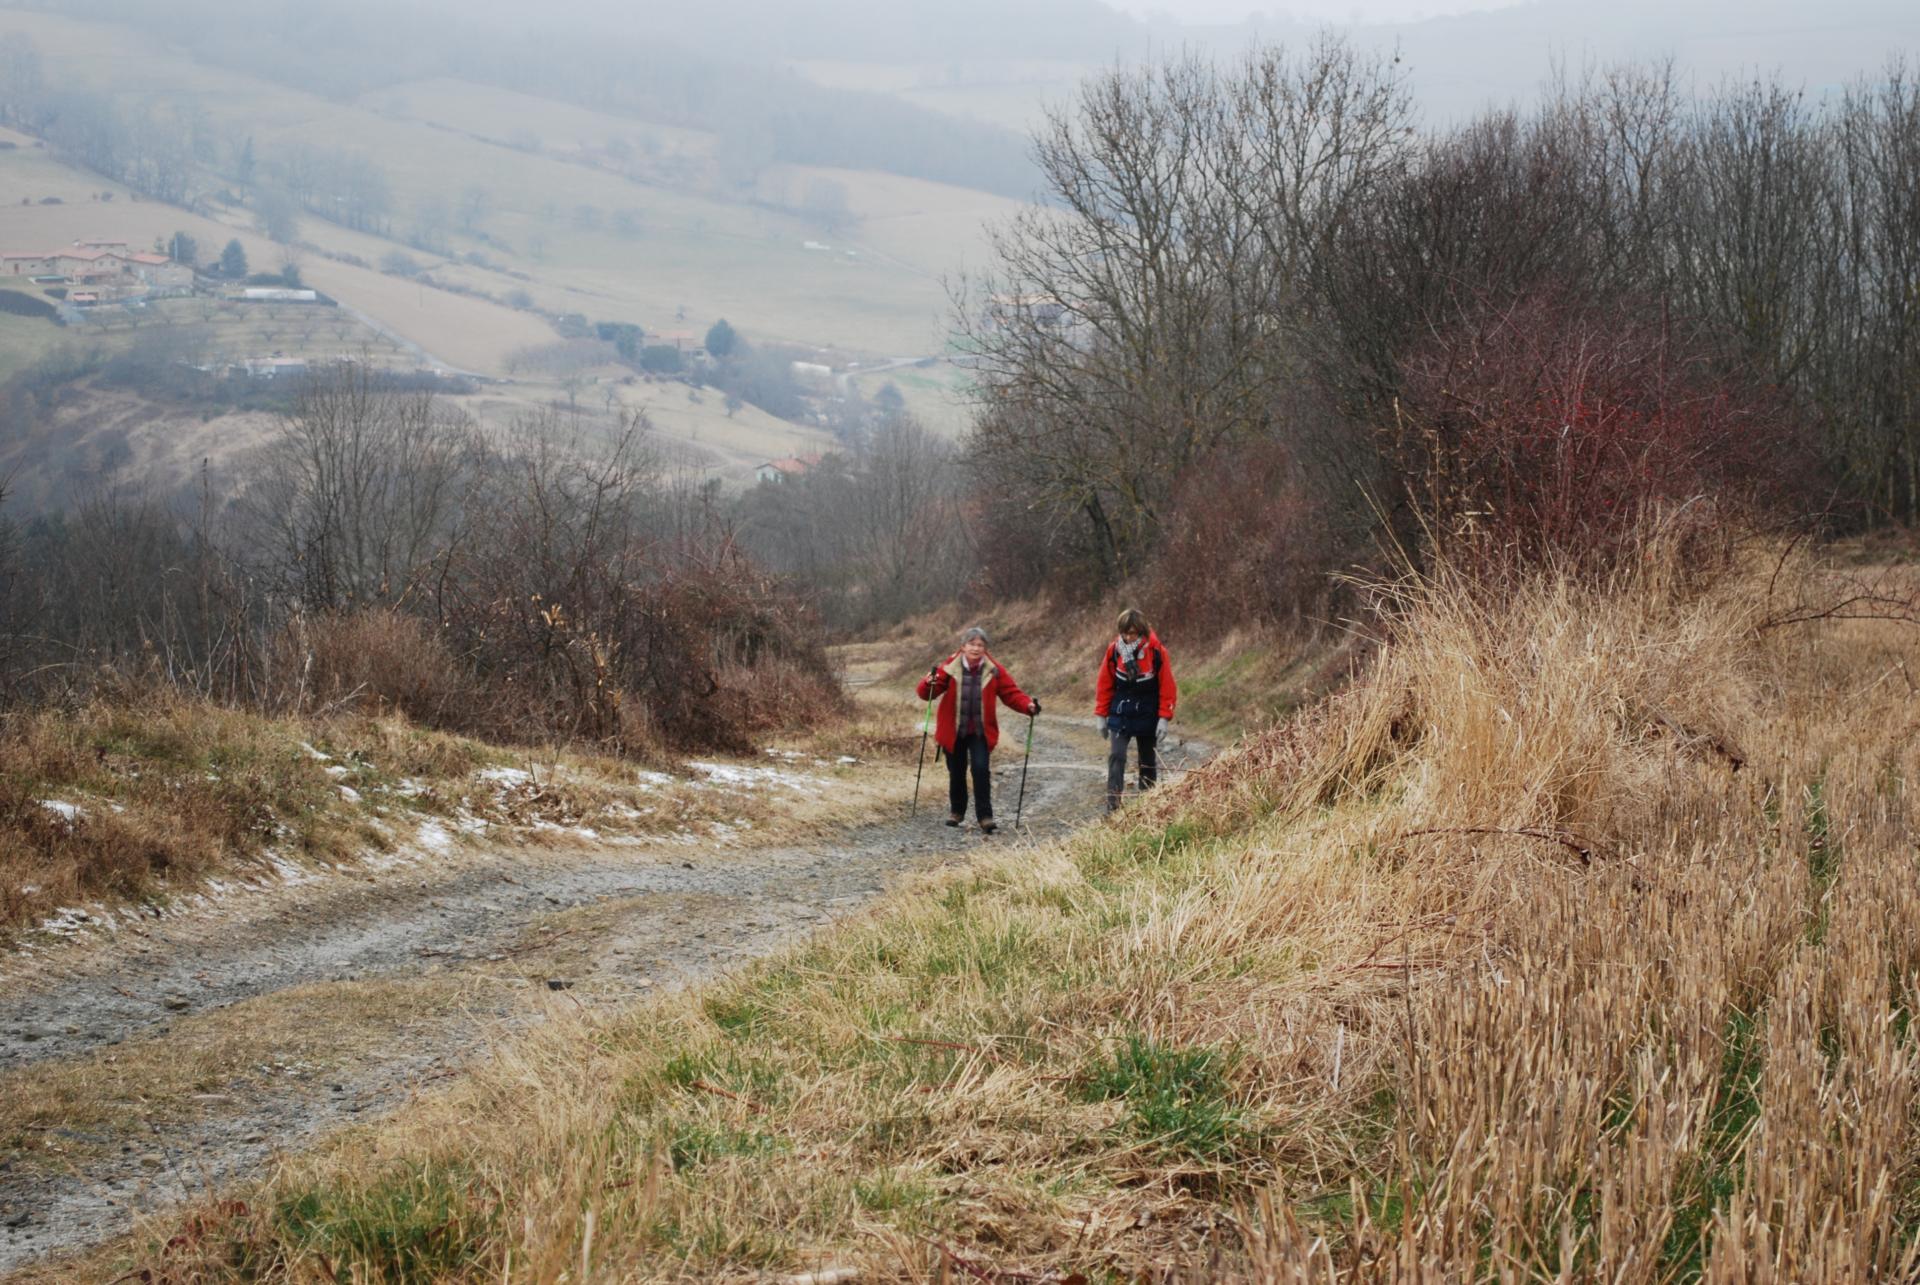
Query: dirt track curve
x=205, y=1047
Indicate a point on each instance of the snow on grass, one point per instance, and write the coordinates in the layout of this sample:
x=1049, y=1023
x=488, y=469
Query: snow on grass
x=434, y=837
x=69, y=812
x=67, y=921
x=506, y=777
x=756, y=778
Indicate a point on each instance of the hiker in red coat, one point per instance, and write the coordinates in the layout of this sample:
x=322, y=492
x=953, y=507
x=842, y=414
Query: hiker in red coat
x=968, y=683
x=1134, y=696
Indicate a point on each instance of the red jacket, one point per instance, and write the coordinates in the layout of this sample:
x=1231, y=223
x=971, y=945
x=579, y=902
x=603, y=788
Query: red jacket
x=1153, y=659
x=994, y=683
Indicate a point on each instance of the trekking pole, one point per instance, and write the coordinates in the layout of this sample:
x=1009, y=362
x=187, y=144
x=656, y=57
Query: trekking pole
x=921, y=765
x=1023, y=774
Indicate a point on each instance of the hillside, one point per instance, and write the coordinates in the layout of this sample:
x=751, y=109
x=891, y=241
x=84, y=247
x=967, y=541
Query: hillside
x=1267, y=1024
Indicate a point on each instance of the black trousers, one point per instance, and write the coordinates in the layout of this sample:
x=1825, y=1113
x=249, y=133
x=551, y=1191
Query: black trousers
x=1117, y=762
x=970, y=750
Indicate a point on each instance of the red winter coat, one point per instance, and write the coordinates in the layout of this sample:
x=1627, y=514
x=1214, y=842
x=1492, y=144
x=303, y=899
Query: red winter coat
x=994, y=683
x=1153, y=661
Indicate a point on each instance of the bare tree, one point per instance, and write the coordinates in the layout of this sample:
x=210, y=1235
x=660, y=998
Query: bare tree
x=1155, y=315
x=364, y=491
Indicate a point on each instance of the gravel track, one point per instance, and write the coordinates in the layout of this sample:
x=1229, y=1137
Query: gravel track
x=655, y=917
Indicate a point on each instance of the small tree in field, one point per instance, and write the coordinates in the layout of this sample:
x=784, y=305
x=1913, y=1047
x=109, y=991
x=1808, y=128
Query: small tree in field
x=233, y=260
x=722, y=339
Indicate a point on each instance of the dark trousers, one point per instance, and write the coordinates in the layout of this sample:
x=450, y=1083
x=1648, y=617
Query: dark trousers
x=1117, y=763
x=970, y=750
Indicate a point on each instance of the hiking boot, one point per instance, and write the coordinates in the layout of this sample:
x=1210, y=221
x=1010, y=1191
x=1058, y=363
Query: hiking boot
x=988, y=825
x=954, y=819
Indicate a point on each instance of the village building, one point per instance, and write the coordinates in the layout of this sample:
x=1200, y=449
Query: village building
x=107, y=265
x=790, y=467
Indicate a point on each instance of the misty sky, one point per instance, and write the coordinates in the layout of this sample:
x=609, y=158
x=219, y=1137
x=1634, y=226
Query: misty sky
x=1218, y=11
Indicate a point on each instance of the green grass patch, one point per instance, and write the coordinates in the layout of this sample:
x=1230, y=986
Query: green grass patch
x=692, y=1145
x=1178, y=1099
x=890, y=1192
x=423, y=1225
x=1107, y=858
x=1710, y=1182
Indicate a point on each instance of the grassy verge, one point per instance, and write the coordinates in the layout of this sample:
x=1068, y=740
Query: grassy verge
x=145, y=799
x=1501, y=965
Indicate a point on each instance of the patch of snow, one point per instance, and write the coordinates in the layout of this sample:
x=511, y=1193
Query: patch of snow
x=755, y=778
x=68, y=921
x=434, y=837
x=290, y=873
x=70, y=812
x=653, y=778
x=316, y=754
x=846, y=760
x=506, y=776
x=350, y=794
x=336, y=770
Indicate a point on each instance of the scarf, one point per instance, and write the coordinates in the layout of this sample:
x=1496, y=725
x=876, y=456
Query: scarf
x=971, y=721
x=1127, y=658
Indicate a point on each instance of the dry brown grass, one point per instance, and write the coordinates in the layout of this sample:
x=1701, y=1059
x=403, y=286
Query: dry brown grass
x=154, y=791
x=1578, y=943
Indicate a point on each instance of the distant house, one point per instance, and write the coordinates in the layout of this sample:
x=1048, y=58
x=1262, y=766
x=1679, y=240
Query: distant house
x=277, y=294
x=159, y=270
x=813, y=373
x=108, y=264
x=684, y=342
x=782, y=469
x=269, y=368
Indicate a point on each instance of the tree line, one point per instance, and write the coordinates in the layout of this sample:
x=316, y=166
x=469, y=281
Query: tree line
x=1519, y=329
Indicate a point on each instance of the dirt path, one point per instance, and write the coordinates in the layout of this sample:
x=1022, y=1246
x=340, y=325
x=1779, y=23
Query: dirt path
x=145, y=1071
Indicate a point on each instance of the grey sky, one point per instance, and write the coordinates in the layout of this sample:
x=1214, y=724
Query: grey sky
x=1364, y=11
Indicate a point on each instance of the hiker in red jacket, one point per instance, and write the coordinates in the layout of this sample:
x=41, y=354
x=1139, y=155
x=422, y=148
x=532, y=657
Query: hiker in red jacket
x=1134, y=696
x=968, y=683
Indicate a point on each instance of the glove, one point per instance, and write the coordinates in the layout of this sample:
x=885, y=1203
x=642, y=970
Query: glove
x=1035, y=710
x=1100, y=724
x=1162, y=730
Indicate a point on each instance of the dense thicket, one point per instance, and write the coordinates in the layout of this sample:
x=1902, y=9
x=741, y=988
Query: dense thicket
x=384, y=553
x=1523, y=331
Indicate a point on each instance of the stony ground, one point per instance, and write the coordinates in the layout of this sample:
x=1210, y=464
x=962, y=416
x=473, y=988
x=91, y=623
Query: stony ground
x=184, y=1055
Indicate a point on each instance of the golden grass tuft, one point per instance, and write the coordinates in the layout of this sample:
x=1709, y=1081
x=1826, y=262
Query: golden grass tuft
x=1578, y=942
